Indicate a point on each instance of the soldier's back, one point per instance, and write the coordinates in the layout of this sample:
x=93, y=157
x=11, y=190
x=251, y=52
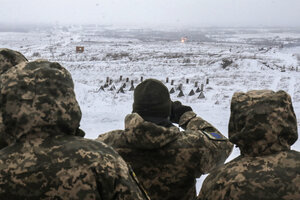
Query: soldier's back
x=64, y=167
x=167, y=161
x=274, y=176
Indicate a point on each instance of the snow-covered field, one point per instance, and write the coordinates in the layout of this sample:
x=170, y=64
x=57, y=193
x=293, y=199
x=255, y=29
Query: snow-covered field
x=230, y=59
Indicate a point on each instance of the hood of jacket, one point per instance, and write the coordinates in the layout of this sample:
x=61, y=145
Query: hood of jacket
x=262, y=122
x=37, y=97
x=147, y=135
x=9, y=58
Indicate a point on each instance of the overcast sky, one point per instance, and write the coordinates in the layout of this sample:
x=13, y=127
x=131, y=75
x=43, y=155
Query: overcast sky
x=154, y=12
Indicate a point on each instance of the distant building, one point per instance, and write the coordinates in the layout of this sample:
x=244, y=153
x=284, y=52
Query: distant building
x=79, y=49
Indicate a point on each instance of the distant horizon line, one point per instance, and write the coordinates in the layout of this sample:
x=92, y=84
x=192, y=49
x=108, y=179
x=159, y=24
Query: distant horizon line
x=4, y=25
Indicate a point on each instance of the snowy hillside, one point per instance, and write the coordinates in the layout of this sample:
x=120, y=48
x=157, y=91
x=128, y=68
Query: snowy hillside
x=223, y=60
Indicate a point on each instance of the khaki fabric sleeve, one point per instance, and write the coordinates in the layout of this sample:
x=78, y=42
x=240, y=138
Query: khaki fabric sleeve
x=213, y=147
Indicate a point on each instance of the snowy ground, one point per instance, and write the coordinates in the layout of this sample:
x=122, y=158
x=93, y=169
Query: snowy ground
x=256, y=58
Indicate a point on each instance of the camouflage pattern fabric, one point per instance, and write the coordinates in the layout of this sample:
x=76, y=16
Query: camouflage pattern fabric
x=8, y=59
x=262, y=122
x=167, y=161
x=264, y=126
x=45, y=158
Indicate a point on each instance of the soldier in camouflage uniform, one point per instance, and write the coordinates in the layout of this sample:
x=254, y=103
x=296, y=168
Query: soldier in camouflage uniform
x=263, y=125
x=45, y=158
x=167, y=161
x=8, y=59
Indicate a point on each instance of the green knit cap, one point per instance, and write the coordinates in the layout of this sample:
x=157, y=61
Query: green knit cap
x=152, y=99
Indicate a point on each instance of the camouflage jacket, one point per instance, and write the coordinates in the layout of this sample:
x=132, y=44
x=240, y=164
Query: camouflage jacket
x=44, y=158
x=167, y=161
x=8, y=59
x=264, y=126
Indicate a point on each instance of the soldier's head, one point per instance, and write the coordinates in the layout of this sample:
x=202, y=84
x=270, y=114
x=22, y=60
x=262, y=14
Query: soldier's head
x=9, y=58
x=37, y=96
x=262, y=122
x=152, y=99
